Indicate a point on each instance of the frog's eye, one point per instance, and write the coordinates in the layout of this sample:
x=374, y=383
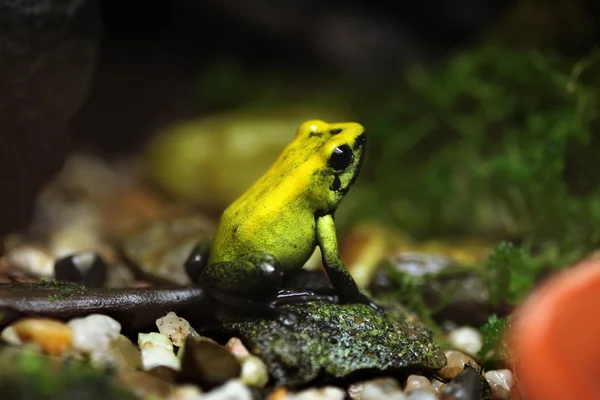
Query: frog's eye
x=340, y=158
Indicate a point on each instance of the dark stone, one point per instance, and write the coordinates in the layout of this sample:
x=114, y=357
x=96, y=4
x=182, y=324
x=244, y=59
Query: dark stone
x=163, y=373
x=207, y=364
x=468, y=385
x=47, y=54
x=86, y=268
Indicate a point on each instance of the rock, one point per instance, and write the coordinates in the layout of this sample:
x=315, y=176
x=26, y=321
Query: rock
x=175, y=328
x=501, y=381
x=186, y=392
x=335, y=340
x=456, y=364
x=418, y=382
x=422, y=395
x=31, y=260
x=53, y=337
x=207, y=364
x=466, y=339
x=466, y=386
x=232, y=390
x=163, y=373
x=159, y=249
x=254, y=371
x=47, y=58
x=324, y=393
x=382, y=389
x=237, y=348
x=94, y=333
x=157, y=350
x=121, y=354
x=86, y=268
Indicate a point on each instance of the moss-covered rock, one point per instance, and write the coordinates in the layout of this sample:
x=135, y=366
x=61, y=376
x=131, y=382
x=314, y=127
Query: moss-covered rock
x=336, y=341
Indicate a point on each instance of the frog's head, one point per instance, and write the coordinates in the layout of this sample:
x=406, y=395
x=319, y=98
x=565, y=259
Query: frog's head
x=334, y=154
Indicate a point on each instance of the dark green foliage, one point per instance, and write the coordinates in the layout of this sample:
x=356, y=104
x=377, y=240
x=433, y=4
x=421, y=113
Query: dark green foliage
x=494, y=345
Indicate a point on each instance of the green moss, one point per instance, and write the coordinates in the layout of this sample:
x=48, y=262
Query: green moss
x=494, y=344
x=66, y=289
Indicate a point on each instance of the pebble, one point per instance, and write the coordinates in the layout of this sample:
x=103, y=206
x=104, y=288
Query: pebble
x=232, y=390
x=94, y=333
x=157, y=350
x=207, y=364
x=53, y=337
x=175, y=328
x=324, y=393
x=456, y=364
x=383, y=388
x=466, y=339
x=121, y=354
x=500, y=382
x=254, y=371
x=466, y=386
x=421, y=395
x=86, y=268
x=418, y=382
x=186, y=392
x=31, y=260
x=237, y=348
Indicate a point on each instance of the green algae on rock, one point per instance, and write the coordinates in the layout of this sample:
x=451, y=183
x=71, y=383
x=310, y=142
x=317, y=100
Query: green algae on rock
x=335, y=341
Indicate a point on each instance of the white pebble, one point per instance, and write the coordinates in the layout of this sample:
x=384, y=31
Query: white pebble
x=231, y=390
x=32, y=261
x=421, y=395
x=500, y=383
x=175, y=328
x=10, y=336
x=254, y=371
x=324, y=393
x=466, y=339
x=94, y=333
x=157, y=350
x=382, y=389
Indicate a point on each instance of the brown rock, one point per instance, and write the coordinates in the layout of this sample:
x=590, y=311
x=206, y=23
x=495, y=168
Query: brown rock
x=456, y=364
x=53, y=337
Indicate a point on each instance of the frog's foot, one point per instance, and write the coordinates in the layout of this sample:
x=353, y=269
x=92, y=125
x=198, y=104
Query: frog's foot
x=197, y=260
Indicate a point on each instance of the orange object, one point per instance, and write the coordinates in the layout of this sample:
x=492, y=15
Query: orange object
x=555, y=337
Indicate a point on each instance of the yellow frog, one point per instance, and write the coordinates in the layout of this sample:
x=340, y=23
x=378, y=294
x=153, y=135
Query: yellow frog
x=275, y=226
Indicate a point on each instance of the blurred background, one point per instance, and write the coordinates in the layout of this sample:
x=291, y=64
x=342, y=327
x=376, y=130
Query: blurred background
x=481, y=115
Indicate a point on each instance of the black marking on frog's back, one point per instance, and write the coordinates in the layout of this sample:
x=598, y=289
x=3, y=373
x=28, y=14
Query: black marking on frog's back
x=336, y=131
x=335, y=185
x=315, y=134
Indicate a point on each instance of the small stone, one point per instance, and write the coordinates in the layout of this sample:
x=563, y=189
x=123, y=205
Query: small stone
x=279, y=393
x=144, y=385
x=122, y=353
x=421, y=395
x=418, y=382
x=324, y=393
x=207, y=364
x=237, y=348
x=466, y=339
x=163, y=373
x=94, y=333
x=456, y=364
x=85, y=268
x=383, y=388
x=157, y=350
x=437, y=385
x=501, y=382
x=31, y=260
x=232, y=390
x=53, y=337
x=186, y=392
x=254, y=371
x=466, y=386
x=175, y=328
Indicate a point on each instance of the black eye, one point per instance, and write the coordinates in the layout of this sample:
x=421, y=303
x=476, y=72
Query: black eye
x=340, y=158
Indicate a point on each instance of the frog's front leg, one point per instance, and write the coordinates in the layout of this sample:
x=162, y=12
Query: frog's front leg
x=340, y=278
